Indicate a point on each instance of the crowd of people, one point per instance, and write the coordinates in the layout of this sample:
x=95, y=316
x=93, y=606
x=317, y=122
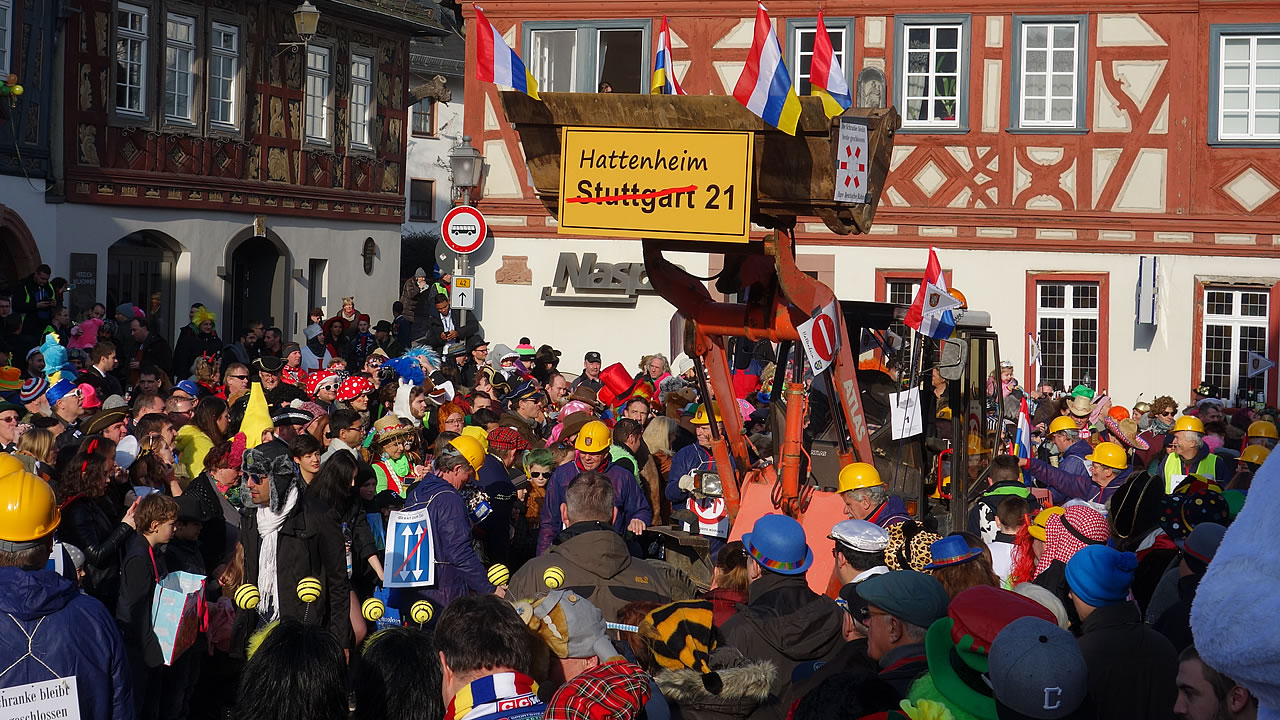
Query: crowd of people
x=1113, y=573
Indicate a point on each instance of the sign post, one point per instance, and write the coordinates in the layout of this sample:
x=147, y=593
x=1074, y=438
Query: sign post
x=464, y=230
x=671, y=184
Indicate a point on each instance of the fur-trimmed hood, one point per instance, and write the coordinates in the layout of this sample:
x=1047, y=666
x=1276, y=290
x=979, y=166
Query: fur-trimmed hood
x=744, y=687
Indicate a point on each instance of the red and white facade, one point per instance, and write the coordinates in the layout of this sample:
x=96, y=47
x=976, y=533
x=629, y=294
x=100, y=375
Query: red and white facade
x=1045, y=151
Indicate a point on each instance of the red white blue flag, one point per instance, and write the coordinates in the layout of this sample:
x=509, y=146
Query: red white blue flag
x=1022, y=441
x=497, y=63
x=764, y=86
x=930, y=312
x=664, y=72
x=826, y=77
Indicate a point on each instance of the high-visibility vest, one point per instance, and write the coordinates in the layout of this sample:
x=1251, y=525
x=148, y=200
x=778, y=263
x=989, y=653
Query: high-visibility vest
x=1208, y=467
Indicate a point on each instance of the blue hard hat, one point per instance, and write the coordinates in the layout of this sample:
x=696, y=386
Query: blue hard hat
x=189, y=387
x=777, y=543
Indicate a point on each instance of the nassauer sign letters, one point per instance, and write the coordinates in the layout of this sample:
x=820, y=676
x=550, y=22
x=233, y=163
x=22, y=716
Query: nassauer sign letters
x=656, y=183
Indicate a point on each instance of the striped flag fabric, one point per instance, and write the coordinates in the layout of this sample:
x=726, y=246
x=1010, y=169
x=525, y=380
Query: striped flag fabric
x=764, y=86
x=826, y=77
x=664, y=71
x=930, y=312
x=497, y=63
x=1022, y=440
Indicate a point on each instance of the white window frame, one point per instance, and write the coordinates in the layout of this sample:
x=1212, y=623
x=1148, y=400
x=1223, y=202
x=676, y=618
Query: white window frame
x=360, y=111
x=907, y=24
x=1251, y=88
x=432, y=130
x=179, y=69
x=316, y=115
x=142, y=39
x=844, y=27
x=6, y=36
x=541, y=64
x=1048, y=96
x=218, y=51
x=1069, y=315
x=585, y=60
x=1236, y=321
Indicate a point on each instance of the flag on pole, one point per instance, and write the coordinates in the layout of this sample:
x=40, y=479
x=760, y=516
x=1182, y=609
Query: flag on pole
x=497, y=63
x=764, y=86
x=1023, y=439
x=826, y=77
x=930, y=312
x=664, y=71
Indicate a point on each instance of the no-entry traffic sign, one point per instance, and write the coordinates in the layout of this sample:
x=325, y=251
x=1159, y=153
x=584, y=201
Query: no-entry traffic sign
x=464, y=229
x=820, y=338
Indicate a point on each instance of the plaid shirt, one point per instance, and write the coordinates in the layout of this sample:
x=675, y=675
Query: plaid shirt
x=613, y=691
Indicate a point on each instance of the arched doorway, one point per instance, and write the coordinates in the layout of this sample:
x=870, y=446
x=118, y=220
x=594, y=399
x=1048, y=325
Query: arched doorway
x=18, y=253
x=139, y=265
x=258, y=290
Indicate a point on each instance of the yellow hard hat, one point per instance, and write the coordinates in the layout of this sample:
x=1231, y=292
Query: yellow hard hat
x=471, y=449
x=479, y=433
x=976, y=445
x=856, y=476
x=1038, y=526
x=594, y=437
x=700, y=417
x=28, y=509
x=1190, y=423
x=1255, y=454
x=1263, y=429
x=1110, y=455
x=1060, y=423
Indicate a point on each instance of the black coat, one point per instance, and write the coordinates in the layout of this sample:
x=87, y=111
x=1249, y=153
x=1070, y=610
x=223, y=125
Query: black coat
x=310, y=545
x=142, y=568
x=1132, y=668
x=435, y=328
x=424, y=306
x=190, y=346
x=154, y=352
x=90, y=524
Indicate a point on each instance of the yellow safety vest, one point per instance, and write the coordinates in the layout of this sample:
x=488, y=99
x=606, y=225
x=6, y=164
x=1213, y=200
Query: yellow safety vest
x=1207, y=467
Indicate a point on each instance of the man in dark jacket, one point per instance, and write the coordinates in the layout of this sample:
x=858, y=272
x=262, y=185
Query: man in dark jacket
x=783, y=621
x=289, y=536
x=443, y=326
x=1131, y=666
x=151, y=349
x=1106, y=472
x=34, y=301
x=592, y=557
x=52, y=630
x=592, y=446
x=459, y=571
x=1072, y=451
x=901, y=605
x=506, y=446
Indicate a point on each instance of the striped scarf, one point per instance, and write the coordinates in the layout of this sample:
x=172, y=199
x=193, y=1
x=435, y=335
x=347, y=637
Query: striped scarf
x=492, y=693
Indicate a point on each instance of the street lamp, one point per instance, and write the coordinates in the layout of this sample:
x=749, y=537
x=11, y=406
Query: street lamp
x=305, y=19
x=466, y=163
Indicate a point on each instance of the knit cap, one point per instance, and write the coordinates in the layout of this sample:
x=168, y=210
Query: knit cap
x=1100, y=575
x=682, y=637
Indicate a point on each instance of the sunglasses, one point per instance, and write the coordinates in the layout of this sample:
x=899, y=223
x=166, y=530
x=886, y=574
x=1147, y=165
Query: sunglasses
x=239, y=377
x=256, y=479
x=1168, y=413
x=533, y=474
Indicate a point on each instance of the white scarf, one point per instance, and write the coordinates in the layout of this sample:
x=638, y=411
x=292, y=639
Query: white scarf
x=269, y=530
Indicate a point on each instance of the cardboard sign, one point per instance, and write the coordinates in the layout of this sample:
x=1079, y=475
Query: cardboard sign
x=904, y=414
x=656, y=184
x=410, y=558
x=851, y=162
x=53, y=699
x=820, y=336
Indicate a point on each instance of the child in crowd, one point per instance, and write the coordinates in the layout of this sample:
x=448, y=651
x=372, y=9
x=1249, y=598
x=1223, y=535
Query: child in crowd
x=155, y=517
x=1010, y=514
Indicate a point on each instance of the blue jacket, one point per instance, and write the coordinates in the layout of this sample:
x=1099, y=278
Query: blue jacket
x=495, y=530
x=1069, y=486
x=1071, y=462
x=75, y=636
x=458, y=567
x=627, y=497
x=686, y=460
x=891, y=512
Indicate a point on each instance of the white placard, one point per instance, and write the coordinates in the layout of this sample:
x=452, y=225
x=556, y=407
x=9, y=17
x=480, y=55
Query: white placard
x=410, y=555
x=820, y=337
x=851, y=163
x=904, y=414
x=464, y=293
x=56, y=699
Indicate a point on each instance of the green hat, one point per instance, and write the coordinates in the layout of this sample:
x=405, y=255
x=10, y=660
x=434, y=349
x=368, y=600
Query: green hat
x=912, y=596
x=1082, y=391
x=7, y=406
x=1234, y=498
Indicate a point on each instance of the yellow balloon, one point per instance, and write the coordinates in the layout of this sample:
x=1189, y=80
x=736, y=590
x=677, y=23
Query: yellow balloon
x=372, y=609
x=309, y=589
x=499, y=574
x=17, y=90
x=247, y=597
x=553, y=577
x=421, y=612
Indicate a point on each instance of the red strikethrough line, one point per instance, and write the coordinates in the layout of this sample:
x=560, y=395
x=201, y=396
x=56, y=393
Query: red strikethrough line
x=637, y=196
